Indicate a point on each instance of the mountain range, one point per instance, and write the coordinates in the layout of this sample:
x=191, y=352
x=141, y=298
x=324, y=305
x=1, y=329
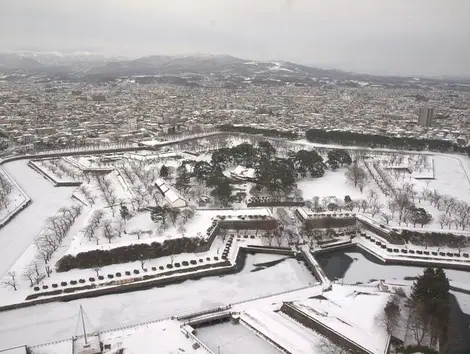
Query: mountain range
x=95, y=65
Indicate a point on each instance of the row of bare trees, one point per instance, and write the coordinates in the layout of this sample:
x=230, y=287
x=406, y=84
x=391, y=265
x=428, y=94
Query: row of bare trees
x=109, y=195
x=6, y=188
x=59, y=168
x=47, y=243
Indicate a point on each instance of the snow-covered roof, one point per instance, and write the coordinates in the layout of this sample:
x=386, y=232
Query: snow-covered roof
x=170, y=195
x=244, y=172
x=351, y=312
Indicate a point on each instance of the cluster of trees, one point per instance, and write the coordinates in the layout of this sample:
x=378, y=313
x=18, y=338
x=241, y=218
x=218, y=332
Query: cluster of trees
x=371, y=140
x=434, y=239
x=60, y=168
x=141, y=176
x=337, y=158
x=131, y=253
x=266, y=132
x=87, y=194
x=429, y=306
x=109, y=195
x=5, y=190
x=164, y=213
x=357, y=176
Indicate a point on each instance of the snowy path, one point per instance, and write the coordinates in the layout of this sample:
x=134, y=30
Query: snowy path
x=56, y=321
x=18, y=234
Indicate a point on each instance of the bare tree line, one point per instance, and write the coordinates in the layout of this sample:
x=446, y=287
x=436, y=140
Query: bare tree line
x=47, y=243
x=6, y=187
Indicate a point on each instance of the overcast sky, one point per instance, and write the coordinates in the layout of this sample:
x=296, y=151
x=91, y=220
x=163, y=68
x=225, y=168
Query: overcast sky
x=408, y=37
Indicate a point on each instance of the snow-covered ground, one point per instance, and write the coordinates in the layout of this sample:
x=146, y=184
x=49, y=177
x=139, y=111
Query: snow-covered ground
x=32, y=326
x=234, y=339
x=18, y=234
x=333, y=183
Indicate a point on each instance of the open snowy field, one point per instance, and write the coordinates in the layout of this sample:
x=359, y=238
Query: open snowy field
x=234, y=339
x=32, y=326
x=333, y=183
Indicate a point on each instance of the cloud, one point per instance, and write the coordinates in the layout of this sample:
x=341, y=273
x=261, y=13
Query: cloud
x=392, y=37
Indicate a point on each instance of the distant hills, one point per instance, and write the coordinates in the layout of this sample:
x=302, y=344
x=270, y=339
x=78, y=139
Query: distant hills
x=91, y=65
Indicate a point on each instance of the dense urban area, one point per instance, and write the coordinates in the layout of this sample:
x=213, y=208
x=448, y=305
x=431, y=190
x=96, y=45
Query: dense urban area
x=211, y=204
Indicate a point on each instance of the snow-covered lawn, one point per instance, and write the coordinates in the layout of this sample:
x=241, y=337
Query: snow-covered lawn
x=234, y=339
x=333, y=183
x=30, y=325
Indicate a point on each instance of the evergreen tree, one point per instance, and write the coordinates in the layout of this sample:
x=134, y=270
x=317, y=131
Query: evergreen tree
x=430, y=304
x=164, y=172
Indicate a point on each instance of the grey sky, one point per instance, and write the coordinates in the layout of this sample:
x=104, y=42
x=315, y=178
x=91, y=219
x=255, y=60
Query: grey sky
x=429, y=37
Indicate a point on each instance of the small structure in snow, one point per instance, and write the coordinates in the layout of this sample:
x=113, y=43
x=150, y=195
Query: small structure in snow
x=242, y=173
x=170, y=195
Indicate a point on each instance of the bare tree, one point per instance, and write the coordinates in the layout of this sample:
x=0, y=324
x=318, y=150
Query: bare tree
x=9, y=280
x=386, y=218
x=418, y=323
x=97, y=271
x=29, y=274
x=356, y=175
x=376, y=207
x=142, y=262
x=108, y=230
x=390, y=317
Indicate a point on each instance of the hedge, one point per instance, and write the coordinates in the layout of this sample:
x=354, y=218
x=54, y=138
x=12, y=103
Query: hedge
x=126, y=254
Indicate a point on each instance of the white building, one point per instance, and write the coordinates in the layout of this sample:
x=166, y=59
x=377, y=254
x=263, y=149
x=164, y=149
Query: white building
x=425, y=116
x=243, y=173
x=170, y=195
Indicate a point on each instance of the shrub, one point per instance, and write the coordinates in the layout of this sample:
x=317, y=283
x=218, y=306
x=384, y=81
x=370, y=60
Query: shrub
x=208, y=259
x=110, y=276
x=169, y=266
x=154, y=268
x=101, y=277
x=177, y=265
x=216, y=258
x=81, y=281
x=118, y=274
x=128, y=273
x=161, y=267
x=73, y=282
x=91, y=279
x=130, y=253
x=201, y=260
x=136, y=271
x=64, y=283
x=193, y=262
x=185, y=263
x=55, y=285
x=36, y=288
